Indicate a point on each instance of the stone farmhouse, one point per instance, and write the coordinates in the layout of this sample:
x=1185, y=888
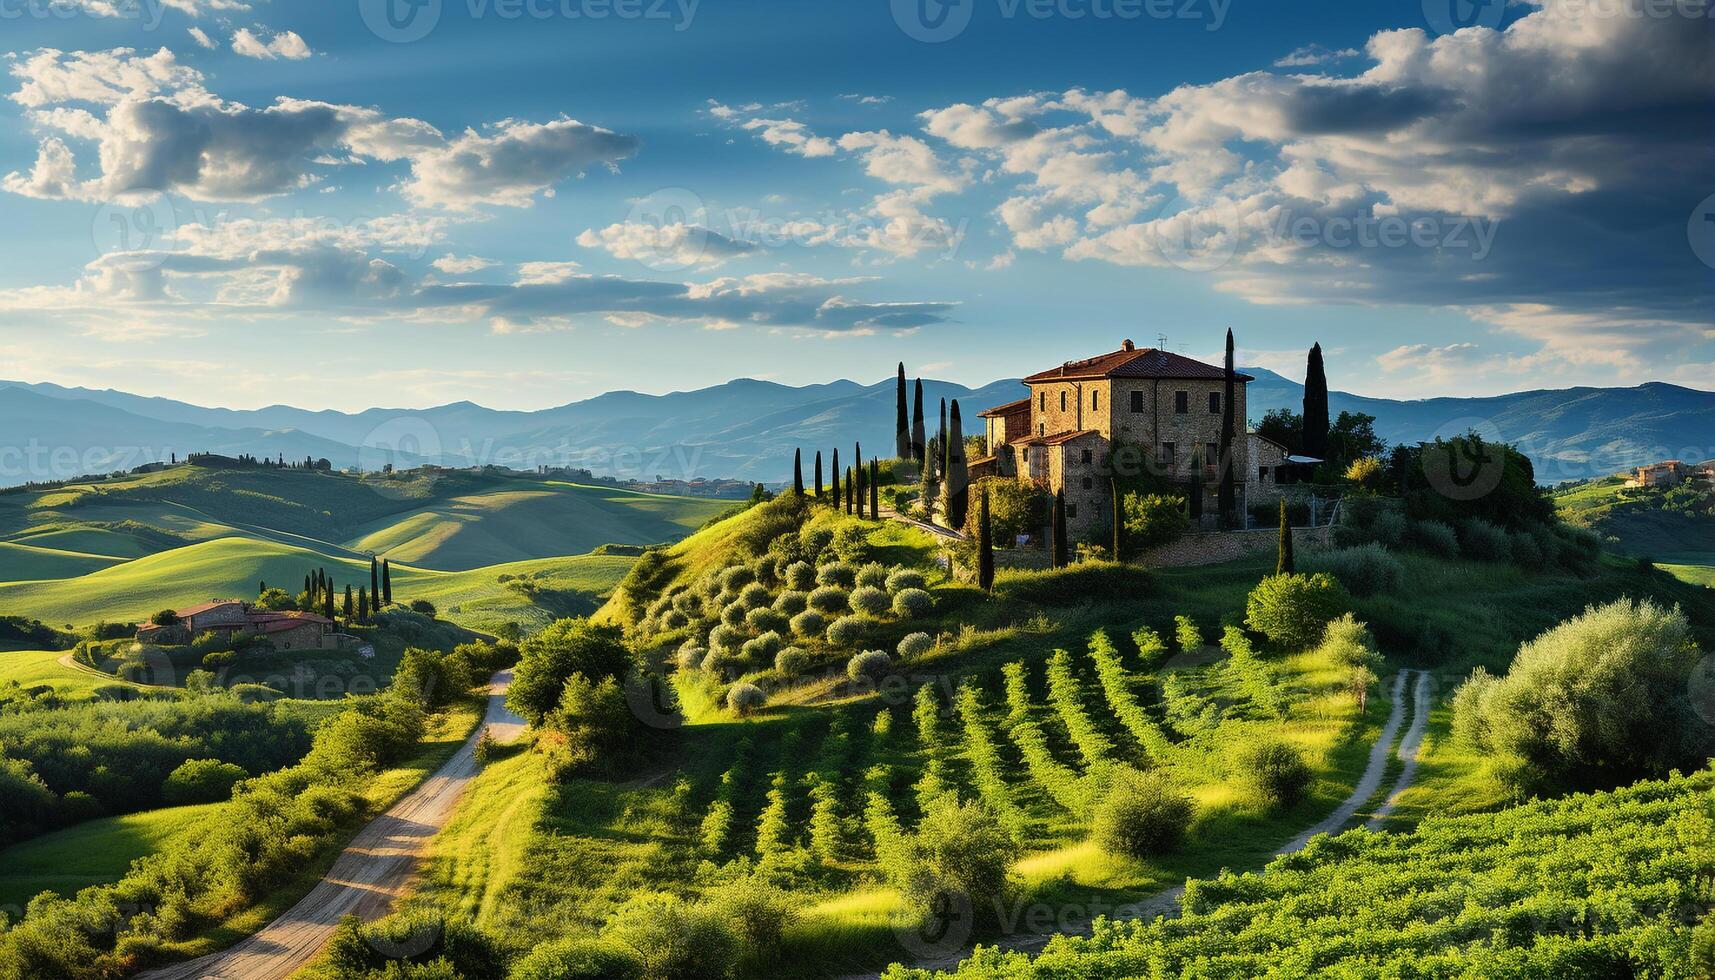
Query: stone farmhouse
x=1062, y=436
x=234, y=618
x=1669, y=473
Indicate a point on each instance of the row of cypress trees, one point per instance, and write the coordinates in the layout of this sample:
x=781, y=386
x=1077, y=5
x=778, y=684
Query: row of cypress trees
x=321, y=592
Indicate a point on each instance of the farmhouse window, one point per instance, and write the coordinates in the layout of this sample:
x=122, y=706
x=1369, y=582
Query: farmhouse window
x=1137, y=402
x=1181, y=402
x=1167, y=453
x=1088, y=483
x=1062, y=400
x=1214, y=403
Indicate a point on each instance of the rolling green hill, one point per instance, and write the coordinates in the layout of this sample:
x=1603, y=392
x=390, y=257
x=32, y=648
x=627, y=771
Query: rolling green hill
x=1673, y=527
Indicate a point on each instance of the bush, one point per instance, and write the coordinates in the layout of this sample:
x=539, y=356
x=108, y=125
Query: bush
x=579, y=959
x=813, y=541
x=1484, y=541
x=735, y=578
x=901, y=579
x=1292, y=610
x=1434, y=537
x=764, y=620
x=913, y=604
x=791, y=661
x=1154, y=519
x=759, y=916
x=839, y=573
x=958, y=849
x=847, y=631
x=828, y=599
x=745, y=698
x=754, y=596
x=1141, y=815
x=871, y=665
x=689, y=655
x=202, y=781
x=722, y=663
x=564, y=648
x=762, y=649
x=873, y=575
x=1275, y=774
x=792, y=603
x=425, y=607
x=673, y=619
x=1389, y=528
x=733, y=614
x=915, y=645
x=809, y=624
x=1348, y=643
x=870, y=601
x=800, y=576
x=851, y=543
x=675, y=939
x=1364, y=570
x=727, y=638
x=1525, y=548
x=1598, y=700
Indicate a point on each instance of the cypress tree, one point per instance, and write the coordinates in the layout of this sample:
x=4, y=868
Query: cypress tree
x=874, y=489
x=374, y=577
x=1283, y=564
x=349, y=607
x=362, y=605
x=859, y=489
x=1118, y=518
x=958, y=476
x=1061, y=553
x=941, y=441
x=327, y=603
x=1227, y=494
x=1197, y=487
x=1315, y=406
x=850, y=483
x=261, y=587
x=818, y=474
x=985, y=544
x=798, y=472
x=902, y=424
x=918, y=436
x=308, y=582
x=386, y=583
x=835, y=473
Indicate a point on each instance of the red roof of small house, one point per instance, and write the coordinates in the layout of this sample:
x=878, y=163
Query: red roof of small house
x=1010, y=408
x=203, y=607
x=279, y=622
x=1129, y=362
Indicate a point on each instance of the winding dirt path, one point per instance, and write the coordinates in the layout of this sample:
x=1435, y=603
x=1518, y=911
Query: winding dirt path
x=375, y=869
x=1166, y=902
x=1409, y=749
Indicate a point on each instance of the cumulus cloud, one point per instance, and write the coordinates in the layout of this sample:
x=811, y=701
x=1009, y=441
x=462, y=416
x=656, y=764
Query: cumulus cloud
x=459, y=265
x=285, y=44
x=1313, y=54
x=158, y=129
x=675, y=245
x=201, y=37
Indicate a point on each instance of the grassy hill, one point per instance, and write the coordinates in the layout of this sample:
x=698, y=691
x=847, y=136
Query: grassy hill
x=1674, y=527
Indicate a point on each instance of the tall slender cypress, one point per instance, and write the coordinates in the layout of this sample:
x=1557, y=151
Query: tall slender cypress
x=327, y=603
x=918, y=436
x=902, y=422
x=1197, y=465
x=874, y=489
x=941, y=441
x=851, y=484
x=386, y=583
x=350, y=608
x=362, y=605
x=309, y=583
x=1117, y=516
x=818, y=474
x=859, y=489
x=958, y=475
x=985, y=543
x=1283, y=563
x=1315, y=437
x=798, y=472
x=1061, y=555
x=374, y=577
x=834, y=491
x=1227, y=496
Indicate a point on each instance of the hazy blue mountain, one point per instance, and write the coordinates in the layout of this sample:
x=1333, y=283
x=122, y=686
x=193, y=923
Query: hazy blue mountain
x=748, y=429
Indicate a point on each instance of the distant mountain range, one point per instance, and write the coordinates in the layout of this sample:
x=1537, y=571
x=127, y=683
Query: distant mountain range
x=747, y=429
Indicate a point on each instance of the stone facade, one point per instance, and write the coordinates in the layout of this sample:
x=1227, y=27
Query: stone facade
x=233, y=617
x=1212, y=547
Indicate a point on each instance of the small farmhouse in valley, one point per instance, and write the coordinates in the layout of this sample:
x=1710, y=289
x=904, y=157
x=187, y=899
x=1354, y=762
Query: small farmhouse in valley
x=1063, y=436
x=234, y=618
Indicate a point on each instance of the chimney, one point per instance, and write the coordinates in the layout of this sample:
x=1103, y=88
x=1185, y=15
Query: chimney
x=1128, y=345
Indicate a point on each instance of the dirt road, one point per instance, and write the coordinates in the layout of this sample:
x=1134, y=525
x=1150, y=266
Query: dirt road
x=373, y=872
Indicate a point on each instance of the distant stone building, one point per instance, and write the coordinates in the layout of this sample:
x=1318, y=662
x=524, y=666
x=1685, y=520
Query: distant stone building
x=1664, y=474
x=1167, y=407
x=233, y=618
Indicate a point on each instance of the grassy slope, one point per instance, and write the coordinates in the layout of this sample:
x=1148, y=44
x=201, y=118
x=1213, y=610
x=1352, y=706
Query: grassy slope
x=1635, y=524
x=30, y=668
x=22, y=562
x=92, y=853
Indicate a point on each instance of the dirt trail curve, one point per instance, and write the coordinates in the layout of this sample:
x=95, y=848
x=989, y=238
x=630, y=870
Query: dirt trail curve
x=1165, y=902
x=374, y=870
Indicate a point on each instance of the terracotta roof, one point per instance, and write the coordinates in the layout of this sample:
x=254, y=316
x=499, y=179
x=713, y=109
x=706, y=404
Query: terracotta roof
x=290, y=623
x=269, y=616
x=201, y=608
x=1022, y=405
x=1130, y=363
x=1056, y=438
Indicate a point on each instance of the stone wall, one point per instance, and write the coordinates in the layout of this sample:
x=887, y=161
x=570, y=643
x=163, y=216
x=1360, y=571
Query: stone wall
x=1211, y=547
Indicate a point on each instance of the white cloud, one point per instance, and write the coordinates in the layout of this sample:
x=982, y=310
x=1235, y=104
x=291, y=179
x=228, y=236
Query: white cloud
x=512, y=162
x=285, y=44
x=1313, y=54
x=665, y=245
x=459, y=265
x=201, y=37
x=902, y=160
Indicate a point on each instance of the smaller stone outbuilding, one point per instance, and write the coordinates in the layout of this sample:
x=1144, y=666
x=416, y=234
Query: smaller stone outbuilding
x=232, y=618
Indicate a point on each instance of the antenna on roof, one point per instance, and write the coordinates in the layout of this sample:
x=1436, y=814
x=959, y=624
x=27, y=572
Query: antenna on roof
x=1160, y=341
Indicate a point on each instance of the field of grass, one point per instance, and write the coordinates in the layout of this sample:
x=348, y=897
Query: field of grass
x=1644, y=522
x=481, y=850
x=92, y=853
x=33, y=668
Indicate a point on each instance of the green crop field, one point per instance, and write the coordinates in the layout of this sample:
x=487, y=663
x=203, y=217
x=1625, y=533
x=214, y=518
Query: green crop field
x=92, y=853
x=34, y=668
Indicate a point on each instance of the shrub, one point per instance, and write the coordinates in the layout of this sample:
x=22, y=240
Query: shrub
x=901, y=579
x=564, y=648
x=873, y=575
x=735, y=578
x=851, y=543
x=758, y=916
x=754, y=596
x=839, y=573
x=424, y=606
x=791, y=661
x=809, y=624
x=1600, y=699
x=871, y=665
x=202, y=781
x=915, y=645
x=1364, y=570
x=673, y=619
x=764, y=620
x=913, y=604
x=767, y=570
x=813, y=541
x=958, y=849
x=1484, y=541
x=1292, y=610
x=1185, y=631
x=727, y=638
x=762, y=649
x=870, y=601
x=1347, y=642
x=1389, y=528
x=800, y=576
x=675, y=939
x=1141, y=815
x=745, y=698
x=847, y=631
x=1154, y=519
x=733, y=614
x=1274, y=773
x=828, y=599
x=722, y=663
x=1434, y=537
x=579, y=959
x=792, y=603
x=1525, y=548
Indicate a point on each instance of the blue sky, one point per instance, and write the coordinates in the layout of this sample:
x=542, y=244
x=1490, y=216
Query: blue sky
x=244, y=203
